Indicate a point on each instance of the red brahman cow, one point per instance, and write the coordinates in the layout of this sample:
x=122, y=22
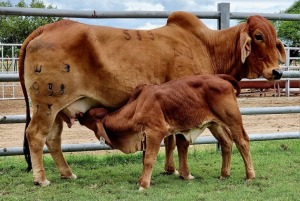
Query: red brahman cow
x=188, y=106
x=68, y=67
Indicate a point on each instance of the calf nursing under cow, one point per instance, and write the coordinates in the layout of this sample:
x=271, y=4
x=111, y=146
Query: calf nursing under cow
x=68, y=67
x=186, y=107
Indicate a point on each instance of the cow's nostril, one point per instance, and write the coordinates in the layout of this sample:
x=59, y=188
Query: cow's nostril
x=277, y=74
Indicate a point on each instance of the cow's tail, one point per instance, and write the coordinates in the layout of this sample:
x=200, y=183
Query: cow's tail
x=233, y=81
x=22, y=55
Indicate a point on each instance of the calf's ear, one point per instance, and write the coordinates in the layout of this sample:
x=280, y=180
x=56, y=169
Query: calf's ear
x=280, y=51
x=102, y=133
x=245, y=42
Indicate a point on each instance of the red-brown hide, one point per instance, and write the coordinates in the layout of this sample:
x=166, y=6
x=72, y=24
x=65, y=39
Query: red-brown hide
x=68, y=67
x=188, y=106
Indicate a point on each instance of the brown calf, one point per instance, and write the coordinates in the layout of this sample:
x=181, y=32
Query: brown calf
x=188, y=106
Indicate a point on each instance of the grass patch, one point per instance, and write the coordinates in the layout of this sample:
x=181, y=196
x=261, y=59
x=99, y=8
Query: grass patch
x=114, y=176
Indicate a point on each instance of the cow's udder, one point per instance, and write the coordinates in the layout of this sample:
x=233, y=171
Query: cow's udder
x=69, y=114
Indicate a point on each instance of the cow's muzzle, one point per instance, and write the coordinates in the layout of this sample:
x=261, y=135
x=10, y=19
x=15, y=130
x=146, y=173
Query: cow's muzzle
x=277, y=74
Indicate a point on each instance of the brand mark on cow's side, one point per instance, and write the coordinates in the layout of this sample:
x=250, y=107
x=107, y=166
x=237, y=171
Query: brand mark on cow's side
x=177, y=52
x=67, y=67
x=127, y=34
x=138, y=34
x=183, y=51
x=62, y=89
x=151, y=35
x=50, y=89
x=49, y=109
x=35, y=87
x=37, y=69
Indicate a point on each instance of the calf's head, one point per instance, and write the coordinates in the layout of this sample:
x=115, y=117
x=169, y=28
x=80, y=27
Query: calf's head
x=261, y=50
x=93, y=119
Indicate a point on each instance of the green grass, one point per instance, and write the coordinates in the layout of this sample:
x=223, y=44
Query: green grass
x=114, y=176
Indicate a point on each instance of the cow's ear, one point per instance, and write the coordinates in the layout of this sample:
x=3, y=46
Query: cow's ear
x=245, y=42
x=280, y=51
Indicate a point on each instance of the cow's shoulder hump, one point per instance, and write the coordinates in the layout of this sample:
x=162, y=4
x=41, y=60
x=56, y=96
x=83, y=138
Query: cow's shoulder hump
x=185, y=20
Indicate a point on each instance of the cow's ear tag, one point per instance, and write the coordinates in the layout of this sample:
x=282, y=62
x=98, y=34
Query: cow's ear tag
x=245, y=42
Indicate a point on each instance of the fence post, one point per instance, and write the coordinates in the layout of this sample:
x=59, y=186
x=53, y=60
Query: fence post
x=287, y=63
x=223, y=23
x=224, y=20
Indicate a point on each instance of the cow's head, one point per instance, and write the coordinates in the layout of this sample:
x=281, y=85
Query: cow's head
x=261, y=50
x=93, y=119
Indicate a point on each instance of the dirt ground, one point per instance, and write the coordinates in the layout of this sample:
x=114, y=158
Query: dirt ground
x=11, y=135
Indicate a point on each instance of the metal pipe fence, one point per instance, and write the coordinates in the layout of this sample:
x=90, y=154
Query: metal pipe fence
x=135, y=14
x=223, y=15
x=96, y=146
x=10, y=119
x=200, y=140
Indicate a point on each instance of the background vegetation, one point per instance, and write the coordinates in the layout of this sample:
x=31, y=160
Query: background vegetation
x=113, y=176
x=289, y=31
x=14, y=29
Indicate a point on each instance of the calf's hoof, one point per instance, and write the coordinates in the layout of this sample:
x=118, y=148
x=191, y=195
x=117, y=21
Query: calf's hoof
x=250, y=175
x=175, y=172
x=188, y=177
x=42, y=184
x=224, y=177
x=73, y=176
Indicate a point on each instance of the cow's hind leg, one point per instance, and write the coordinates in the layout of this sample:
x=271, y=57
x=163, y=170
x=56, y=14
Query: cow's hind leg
x=241, y=140
x=170, y=147
x=182, y=147
x=225, y=140
x=53, y=143
x=38, y=129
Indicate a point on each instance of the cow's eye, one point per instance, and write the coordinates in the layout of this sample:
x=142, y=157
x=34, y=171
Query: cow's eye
x=258, y=37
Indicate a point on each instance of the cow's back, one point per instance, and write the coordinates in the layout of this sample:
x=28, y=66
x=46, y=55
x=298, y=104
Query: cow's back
x=105, y=63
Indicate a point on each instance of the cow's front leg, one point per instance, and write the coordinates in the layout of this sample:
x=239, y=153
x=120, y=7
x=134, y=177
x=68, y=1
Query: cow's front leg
x=152, y=149
x=54, y=145
x=170, y=147
x=182, y=147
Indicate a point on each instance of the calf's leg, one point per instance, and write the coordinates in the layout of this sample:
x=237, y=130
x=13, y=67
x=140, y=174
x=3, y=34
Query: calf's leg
x=241, y=140
x=225, y=140
x=152, y=148
x=182, y=147
x=53, y=143
x=169, y=142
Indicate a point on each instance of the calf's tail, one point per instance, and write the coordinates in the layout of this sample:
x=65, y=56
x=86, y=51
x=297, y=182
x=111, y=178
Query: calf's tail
x=233, y=82
x=22, y=55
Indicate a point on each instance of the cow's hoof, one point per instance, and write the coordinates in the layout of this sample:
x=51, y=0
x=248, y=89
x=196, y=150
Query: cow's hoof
x=42, y=184
x=171, y=173
x=224, y=177
x=73, y=176
x=142, y=188
x=189, y=177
